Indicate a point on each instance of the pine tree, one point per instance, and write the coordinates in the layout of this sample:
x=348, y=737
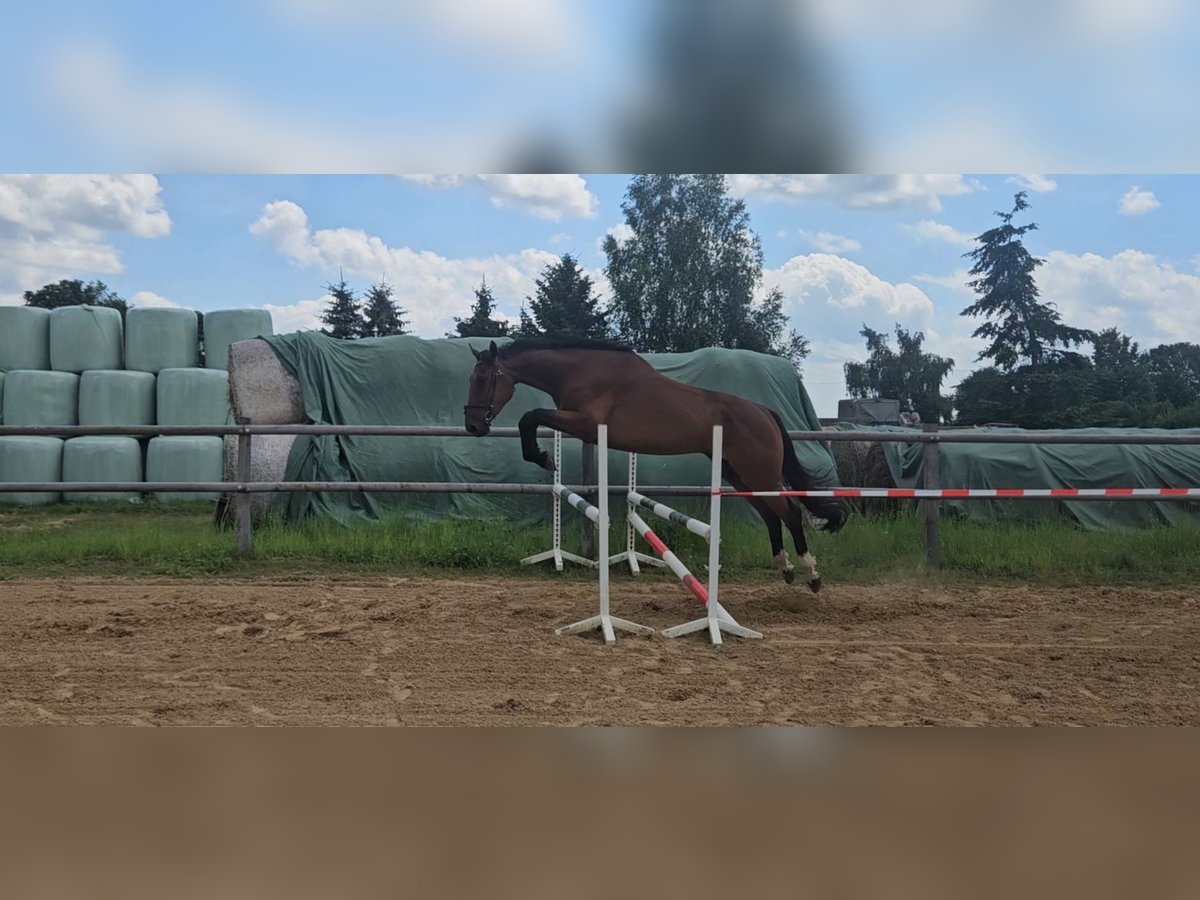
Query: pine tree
x=480, y=323
x=381, y=316
x=343, y=318
x=563, y=303
x=1019, y=326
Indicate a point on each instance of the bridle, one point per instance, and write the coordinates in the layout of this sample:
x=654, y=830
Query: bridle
x=490, y=409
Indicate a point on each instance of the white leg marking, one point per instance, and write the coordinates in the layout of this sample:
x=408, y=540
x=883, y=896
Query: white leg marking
x=810, y=563
x=783, y=563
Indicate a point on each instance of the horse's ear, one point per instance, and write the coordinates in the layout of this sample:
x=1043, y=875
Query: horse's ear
x=494, y=350
x=476, y=352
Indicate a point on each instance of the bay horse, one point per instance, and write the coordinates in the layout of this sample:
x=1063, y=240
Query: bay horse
x=594, y=382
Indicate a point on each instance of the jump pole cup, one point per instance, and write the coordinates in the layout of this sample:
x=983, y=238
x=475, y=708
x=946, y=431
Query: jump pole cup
x=605, y=621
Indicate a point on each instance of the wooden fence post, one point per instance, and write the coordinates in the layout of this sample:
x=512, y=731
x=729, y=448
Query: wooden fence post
x=242, y=499
x=933, y=508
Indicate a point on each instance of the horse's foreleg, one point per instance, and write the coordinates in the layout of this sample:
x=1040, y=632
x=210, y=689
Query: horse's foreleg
x=795, y=524
x=528, y=426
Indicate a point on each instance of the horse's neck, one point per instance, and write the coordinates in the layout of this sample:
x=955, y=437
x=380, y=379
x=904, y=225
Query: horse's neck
x=541, y=370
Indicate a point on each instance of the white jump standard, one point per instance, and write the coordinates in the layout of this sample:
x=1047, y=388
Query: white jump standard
x=557, y=553
x=605, y=621
x=717, y=619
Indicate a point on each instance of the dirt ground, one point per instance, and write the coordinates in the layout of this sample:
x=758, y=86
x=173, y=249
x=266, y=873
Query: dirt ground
x=417, y=651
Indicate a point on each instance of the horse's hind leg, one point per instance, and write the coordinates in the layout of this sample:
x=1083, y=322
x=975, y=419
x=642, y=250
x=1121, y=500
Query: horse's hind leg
x=795, y=524
x=771, y=520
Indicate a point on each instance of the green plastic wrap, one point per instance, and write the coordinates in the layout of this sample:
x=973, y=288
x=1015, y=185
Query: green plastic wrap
x=33, y=397
x=224, y=326
x=112, y=459
x=185, y=458
x=24, y=338
x=117, y=397
x=987, y=466
x=193, y=397
x=157, y=339
x=410, y=381
x=1, y=398
x=24, y=459
x=86, y=337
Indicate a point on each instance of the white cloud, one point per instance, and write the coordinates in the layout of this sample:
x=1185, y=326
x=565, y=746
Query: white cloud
x=1135, y=202
x=955, y=281
x=1131, y=289
x=522, y=30
x=854, y=191
x=552, y=197
x=621, y=232
x=149, y=299
x=822, y=278
x=304, y=315
x=827, y=242
x=1039, y=184
x=432, y=288
x=929, y=230
x=55, y=226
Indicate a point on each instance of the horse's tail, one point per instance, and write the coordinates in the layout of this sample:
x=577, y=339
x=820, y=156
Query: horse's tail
x=831, y=509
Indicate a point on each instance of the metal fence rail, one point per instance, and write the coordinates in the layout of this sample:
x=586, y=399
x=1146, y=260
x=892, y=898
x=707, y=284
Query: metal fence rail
x=242, y=487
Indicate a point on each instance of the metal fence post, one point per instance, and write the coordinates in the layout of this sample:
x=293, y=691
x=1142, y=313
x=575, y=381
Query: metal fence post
x=587, y=475
x=242, y=499
x=933, y=508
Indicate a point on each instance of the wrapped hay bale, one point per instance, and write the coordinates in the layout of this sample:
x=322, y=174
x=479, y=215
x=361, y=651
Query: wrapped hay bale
x=1, y=398
x=86, y=337
x=28, y=459
x=185, y=458
x=193, y=397
x=35, y=397
x=260, y=388
x=99, y=459
x=225, y=326
x=116, y=397
x=24, y=338
x=268, y=462
x=157, y=339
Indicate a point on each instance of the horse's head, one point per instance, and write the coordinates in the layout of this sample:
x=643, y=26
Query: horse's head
x=489, y=389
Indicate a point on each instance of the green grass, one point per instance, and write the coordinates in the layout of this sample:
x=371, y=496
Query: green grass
x=151, y=540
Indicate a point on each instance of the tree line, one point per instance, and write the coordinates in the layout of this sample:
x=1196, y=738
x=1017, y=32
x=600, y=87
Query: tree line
x=1037, y=376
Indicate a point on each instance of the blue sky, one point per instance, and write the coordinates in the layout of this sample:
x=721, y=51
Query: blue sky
x=1120, y=250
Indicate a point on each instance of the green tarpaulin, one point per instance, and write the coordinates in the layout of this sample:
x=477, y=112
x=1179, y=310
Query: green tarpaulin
x=411, y=381
x=1057, y=465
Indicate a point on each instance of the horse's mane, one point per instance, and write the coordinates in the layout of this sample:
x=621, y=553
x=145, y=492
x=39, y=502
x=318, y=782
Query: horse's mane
x=559, y=342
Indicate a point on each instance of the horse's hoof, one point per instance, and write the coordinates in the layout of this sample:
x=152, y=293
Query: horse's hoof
x=789, y=575
x=815, y=585
x=546, y=462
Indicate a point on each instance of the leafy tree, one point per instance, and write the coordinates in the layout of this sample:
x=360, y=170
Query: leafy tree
x=480, y=323
x=686, y=276
x=1058, y=395
x=1176, y=372
x=1122, y=371
x=381, y=316
x=907, y=373
x=1019, y=326
x=564, y=303
x=342, y=319
x=73, y=292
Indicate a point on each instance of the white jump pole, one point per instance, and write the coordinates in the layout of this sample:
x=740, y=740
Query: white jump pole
x=605, y=621
x=557, y=553
x=717, y=619
x=631, y=552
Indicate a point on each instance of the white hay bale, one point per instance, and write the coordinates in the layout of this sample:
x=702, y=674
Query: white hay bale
x=185, y=458
x=86, y=337
x=102, y=459
x=117, y=397
x=37, y=397
x=261, y=389
x=268, y=462
x=29, y=459
x=226, y=326
x=24, y=338
x=193, y=397
x=157, y=339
